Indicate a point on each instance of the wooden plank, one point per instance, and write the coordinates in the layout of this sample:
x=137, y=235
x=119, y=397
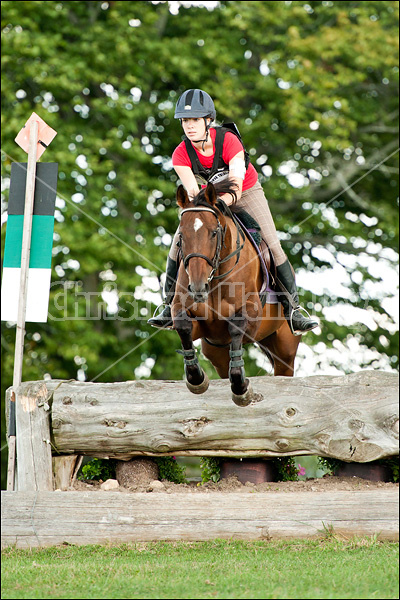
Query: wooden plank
x=34, y=464
x=351, y=417
x=48, y=519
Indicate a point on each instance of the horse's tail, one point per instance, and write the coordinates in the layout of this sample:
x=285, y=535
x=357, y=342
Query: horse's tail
x=268, y=354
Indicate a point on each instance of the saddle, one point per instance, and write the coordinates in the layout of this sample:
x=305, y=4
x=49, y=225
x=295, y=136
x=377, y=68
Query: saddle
x=253, y=231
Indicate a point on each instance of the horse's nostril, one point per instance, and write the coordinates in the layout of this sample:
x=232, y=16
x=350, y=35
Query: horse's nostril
x=207, y=288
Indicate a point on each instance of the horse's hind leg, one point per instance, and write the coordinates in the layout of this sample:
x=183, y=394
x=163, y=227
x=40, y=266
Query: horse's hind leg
x=218, y=357
x=196, y=379
x=242, y=393
x=281, y=348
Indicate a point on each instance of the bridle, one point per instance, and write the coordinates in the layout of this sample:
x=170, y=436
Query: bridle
x=216, y=261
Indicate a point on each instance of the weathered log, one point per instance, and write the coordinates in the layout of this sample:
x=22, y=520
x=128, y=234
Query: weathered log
x=351, y=417
x=110, y=517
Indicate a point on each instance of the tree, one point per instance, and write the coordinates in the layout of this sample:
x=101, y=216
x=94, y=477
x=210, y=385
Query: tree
x=313, y=89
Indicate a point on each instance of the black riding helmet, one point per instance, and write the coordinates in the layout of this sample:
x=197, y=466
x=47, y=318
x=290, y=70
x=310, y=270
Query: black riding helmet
x=195, y=104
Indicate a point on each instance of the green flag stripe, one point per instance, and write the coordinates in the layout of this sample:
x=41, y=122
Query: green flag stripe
x=41, y=241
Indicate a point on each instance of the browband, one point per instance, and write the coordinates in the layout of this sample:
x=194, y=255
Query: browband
x=199, y=208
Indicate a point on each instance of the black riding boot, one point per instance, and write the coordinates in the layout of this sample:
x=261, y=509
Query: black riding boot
x=289, y=299
x=164, y=319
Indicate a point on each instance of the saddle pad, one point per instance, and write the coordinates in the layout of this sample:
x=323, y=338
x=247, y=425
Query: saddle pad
x=249, y=224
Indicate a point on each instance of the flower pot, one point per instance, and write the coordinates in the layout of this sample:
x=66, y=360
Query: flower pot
x=370, y=471
x=251, y=470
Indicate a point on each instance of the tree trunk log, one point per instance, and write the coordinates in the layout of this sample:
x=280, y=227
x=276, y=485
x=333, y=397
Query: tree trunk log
x=79, y=518
x=352, y=417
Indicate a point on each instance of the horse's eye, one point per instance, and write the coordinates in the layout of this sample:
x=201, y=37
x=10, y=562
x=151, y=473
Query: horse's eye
x=214, y=233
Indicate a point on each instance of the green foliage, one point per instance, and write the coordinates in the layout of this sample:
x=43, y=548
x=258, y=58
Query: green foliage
x=393, y=464
x=330, y=465
x=286, y=468
x=170, y=470
x=210, y=469
x=98, y=468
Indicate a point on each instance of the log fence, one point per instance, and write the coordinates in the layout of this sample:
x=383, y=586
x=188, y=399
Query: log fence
x=353, y=418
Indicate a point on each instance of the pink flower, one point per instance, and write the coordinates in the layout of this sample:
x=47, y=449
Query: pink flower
x=301, y=470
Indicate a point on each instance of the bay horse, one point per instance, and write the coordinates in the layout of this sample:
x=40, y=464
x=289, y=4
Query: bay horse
x=217, y=296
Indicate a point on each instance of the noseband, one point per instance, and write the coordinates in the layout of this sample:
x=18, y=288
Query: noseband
x=216, y=261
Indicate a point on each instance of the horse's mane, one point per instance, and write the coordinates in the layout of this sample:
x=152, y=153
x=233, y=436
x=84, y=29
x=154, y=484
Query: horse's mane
x=223, y=187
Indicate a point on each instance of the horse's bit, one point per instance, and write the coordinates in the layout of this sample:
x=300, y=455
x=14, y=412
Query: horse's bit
x=216, y=261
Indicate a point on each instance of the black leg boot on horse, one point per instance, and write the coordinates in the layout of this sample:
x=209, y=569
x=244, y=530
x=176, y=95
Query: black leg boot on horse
x=196, y=379
x=164, y=319
x=289, y=299
x=242, y=392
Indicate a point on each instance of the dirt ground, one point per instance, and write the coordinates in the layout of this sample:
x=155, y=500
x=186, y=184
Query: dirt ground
x=232, y=484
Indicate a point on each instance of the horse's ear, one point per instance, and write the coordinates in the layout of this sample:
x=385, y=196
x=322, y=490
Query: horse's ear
x=182, y=197
x=211, y=194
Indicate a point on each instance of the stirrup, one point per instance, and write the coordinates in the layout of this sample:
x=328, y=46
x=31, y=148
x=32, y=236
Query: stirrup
x=154, y=317
x=158, y=308
x=296, y=332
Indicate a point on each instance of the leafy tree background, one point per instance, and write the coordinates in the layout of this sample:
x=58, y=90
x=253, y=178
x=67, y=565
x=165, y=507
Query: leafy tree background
x=313, y=89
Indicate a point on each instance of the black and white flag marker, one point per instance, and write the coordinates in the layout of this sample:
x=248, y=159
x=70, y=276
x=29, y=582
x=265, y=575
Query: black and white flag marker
x=39, y=273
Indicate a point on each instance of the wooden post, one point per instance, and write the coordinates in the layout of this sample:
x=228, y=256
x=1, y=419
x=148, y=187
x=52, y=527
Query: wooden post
x=34, y=464
x=11, y=444
x=17, y=441
x=28, y=140
x=25, y=255
x=65, y=470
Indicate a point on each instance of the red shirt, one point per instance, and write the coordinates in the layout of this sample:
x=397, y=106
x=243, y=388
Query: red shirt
x=231, y=147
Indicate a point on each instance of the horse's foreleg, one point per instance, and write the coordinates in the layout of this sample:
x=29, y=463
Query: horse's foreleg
x=242, y=393
x=196, y=379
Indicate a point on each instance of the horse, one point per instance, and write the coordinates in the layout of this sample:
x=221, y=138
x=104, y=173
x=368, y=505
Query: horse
x=217, y=296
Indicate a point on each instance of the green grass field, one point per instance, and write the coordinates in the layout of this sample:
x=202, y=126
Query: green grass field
x=325, y=568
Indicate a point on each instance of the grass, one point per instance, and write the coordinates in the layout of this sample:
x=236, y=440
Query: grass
x=331, y=567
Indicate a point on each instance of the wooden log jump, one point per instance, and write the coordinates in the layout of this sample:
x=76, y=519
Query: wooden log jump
x=48, y=518
x=352, y=417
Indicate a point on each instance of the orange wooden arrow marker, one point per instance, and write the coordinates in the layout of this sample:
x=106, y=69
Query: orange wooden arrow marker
x=45, y=135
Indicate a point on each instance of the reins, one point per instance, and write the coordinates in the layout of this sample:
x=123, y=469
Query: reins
x=216, y=262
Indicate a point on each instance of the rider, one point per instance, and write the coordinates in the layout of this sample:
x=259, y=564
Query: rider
x=196, y=111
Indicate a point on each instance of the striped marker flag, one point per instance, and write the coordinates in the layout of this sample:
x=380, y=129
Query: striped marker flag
x=39, y=277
